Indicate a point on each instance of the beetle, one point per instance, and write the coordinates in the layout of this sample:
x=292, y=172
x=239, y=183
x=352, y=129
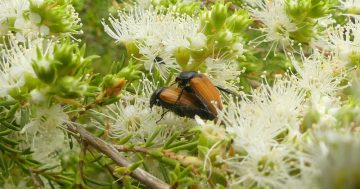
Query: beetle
x=202, y=87
x=181, y=102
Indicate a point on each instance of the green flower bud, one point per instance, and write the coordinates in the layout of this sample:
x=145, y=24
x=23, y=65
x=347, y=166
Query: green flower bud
x=303, y=34
x=64, y=53
x=19, y=93
x=70, y=58
x=320, y=8
x=238, y=21
x=188, y=8
x=198, y=47
x=69, y=87
x=182, y=56
x=45, y=68
x=112, y=85
x=205, y=23
x=219, y=13
x=298, y=9
x=224, y=39
x=354, y=58
x=131, y=72
x=198, y=55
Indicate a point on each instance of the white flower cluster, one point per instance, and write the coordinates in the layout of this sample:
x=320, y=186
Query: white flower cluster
x=268, y=125
x=156, y=34
x=277, y=24
x=17, y=16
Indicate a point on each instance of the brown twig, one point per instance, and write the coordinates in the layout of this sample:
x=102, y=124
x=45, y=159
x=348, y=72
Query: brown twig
x=81, y=163
x=36, y=180
x=110, y=151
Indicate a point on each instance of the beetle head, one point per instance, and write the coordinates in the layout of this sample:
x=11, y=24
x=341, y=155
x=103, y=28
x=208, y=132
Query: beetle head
x=184, y=77
x=154, y=99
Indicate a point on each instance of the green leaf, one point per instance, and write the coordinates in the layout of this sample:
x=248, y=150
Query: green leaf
x=153, y=136
x=187, y=146
x=9, y=149
x=5, y=132
x=9, y=125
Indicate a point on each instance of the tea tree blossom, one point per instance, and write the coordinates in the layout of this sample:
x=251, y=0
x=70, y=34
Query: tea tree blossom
x=16, y=65
x=44, y=134
x=352, y=6
x=31, y=19
x=277, y=24
x=156, y=34
x=344, y=41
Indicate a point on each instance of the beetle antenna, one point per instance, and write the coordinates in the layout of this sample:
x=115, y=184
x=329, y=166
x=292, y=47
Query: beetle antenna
x=228, y=91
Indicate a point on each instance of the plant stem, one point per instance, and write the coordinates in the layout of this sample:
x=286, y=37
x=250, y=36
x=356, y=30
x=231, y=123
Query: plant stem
x=110, y=151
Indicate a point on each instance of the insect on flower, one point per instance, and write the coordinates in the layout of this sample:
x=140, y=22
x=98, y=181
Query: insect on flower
x=195, y=95
x=180, y=102
x=202, y=87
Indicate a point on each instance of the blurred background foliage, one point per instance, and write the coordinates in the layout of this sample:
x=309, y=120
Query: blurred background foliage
x=97, y=41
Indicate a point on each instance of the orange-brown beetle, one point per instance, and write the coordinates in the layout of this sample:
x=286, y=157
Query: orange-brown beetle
x=203, y=88
x=181, y=102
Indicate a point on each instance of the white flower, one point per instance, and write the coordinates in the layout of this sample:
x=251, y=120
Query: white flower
x=198, y=41
x=350, y=4
x=319, y=75
x=266, y=168
x=15, y=65
x=156, y=58
x=168, y=29
x=30, y=27
x=254, y=3
x=16, y=62
x=223, y=72
x=345, y=40
x=43, y=118
x=13, y=8
x=257, y=121
x=336, y=157
x=44, y=133
x=156, y=34
x=277, y=25
x=326, y=107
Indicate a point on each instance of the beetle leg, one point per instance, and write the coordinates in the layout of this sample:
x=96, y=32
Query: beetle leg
x=177, y=100
x=162, y=116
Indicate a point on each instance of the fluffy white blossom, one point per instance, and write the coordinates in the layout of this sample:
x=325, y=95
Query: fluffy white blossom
x=344, y=41
x=319, y=75
x=273, y=167
x=277, y=24
x=269, y=111
x=15, y=65
x=13, y=8
x=350, y=4
x=19, y=16
x=16, y=62
x=44, y=133
x=156, y=34
x=336, y=157
x=223, y=72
